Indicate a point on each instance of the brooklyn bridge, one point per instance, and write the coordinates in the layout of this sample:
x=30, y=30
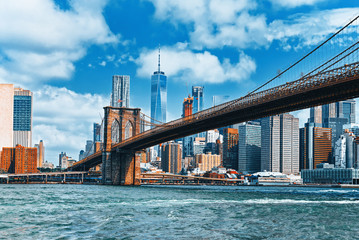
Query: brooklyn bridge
x=329, y=73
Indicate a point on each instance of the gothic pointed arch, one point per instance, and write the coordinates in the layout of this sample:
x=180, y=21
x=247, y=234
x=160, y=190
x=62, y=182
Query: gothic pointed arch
x=115, y=131
x=129, y=129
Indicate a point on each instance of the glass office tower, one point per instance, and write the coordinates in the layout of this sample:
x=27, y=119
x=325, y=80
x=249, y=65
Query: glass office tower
x=22, y=122
x=158, y=95
x=197, y=94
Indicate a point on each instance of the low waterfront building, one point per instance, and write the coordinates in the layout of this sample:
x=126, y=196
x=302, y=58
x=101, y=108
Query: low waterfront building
x=327, y=174
x=47, y=164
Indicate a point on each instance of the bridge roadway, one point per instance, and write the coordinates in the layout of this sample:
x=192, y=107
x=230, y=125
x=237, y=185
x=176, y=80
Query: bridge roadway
x=325, y=87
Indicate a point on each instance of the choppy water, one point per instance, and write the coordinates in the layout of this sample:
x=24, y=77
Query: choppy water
x=177, y=212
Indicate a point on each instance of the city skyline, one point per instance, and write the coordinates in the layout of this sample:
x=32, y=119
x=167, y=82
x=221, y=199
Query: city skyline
x=69, y=97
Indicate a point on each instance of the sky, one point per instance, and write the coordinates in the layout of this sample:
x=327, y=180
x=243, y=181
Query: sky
x=66, y=52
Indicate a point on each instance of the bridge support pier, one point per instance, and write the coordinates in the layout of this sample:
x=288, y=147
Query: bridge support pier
x=120, y=166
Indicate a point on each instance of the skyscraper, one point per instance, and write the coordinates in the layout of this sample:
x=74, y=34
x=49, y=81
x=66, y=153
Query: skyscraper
x=96, y=132
x=89, y=148
x=315, y=145
x=158, y=94
x=316, y=114
x=346, y=109
x=230, y=148
x=335, y=115
x=7, y=115
x=187, y=106
x=249, y=147
x=120, y=91
x=171, y=157
x=197, y=94
x=22, y=117
x=280, y=144
x=62, y=156
x=289, y=144
x=328, y=111
x=40, y=153
x=270, y=146
x=187, y=141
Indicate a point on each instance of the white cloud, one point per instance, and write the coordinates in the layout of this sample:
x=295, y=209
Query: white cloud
x=294, y=3
x=64, y=119
x=103, y=63
x=178, y=62
x=39, y=41
x=310, y=29
x=214, y=24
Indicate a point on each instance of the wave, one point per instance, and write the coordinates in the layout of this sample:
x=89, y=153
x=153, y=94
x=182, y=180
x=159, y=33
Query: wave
x=262, y=201
x=295, y=201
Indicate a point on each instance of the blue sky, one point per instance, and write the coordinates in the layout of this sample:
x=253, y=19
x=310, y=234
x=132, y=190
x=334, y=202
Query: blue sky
x=67, y=51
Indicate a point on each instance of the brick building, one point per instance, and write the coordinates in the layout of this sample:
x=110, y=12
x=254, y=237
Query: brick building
x=19, y=160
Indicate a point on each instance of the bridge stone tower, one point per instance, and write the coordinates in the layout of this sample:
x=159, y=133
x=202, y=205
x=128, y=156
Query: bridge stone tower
x=120, y=166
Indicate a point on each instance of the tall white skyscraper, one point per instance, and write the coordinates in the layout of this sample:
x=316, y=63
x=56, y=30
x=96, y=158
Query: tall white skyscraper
x=6, y=115
x=280, y=144
x=289, y=144
x=270, y=145
x=120, y=91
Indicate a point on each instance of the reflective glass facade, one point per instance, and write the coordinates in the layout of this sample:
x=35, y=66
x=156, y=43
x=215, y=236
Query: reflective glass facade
x=158, y=96
x=197, y=94
x=249, y=147
x=22, y=113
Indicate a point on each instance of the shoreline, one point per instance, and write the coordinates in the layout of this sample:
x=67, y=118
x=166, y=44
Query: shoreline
x=342, y=186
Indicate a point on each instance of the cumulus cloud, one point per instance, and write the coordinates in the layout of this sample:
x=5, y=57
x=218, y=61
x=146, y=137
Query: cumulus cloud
x=310, y=29
x=40, y=41
x=293, y=4
x=215, y=24
x=197, y=67
x=63, y=119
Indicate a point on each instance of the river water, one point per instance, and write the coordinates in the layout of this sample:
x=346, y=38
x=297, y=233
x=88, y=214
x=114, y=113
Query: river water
x=177, y=212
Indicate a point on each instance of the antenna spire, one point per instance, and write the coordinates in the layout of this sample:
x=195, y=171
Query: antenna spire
x=159, y=58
